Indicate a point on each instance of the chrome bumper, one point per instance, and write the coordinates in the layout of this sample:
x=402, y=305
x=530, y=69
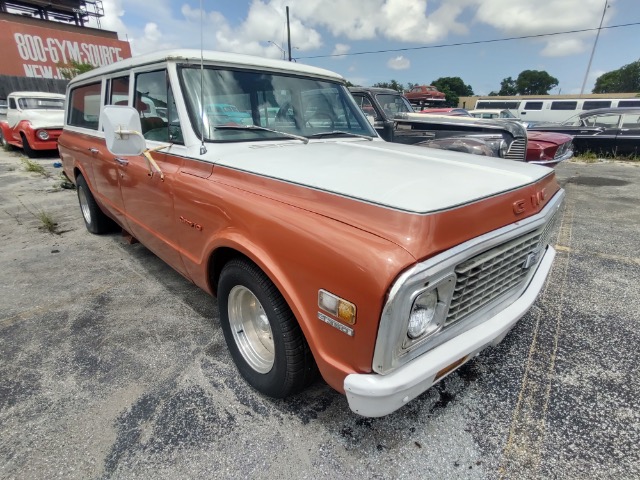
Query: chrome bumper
x=374, y=395
x=566, y=156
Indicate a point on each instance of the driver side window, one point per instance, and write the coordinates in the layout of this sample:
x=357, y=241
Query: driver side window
x=154, y=101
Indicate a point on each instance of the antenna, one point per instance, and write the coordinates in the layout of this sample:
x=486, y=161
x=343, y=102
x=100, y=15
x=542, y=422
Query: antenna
x=203, y=148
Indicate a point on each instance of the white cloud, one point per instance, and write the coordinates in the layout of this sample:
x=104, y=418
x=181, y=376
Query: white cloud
x=532, y=17
x=561, y=47
x=412, y=21
x=340, y=49
x=399, y=63
x=152, y=40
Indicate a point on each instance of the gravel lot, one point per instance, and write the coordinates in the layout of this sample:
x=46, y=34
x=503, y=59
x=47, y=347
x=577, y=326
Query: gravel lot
x=114, y=366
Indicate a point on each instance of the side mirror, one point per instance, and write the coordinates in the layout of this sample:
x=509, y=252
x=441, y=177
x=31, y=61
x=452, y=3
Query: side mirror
x=122, y=129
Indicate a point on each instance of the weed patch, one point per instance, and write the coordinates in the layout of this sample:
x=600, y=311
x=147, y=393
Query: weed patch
x=31, y=166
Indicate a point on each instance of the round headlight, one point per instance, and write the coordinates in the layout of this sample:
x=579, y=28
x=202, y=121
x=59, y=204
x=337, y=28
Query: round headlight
x=422, y=314
x=43, y=135
x=504, y=148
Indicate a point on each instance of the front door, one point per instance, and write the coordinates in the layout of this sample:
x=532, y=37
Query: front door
x=148, y=193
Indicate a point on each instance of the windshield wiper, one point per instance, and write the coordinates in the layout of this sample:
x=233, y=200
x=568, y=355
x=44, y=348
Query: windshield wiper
x=341, y=132
x=263, y=129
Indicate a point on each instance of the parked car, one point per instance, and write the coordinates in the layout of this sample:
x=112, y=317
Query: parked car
x=425, y=95
x=506, y=138
x=34, y=121
x=383, y=266
x=604, y=131
x=395, y=121
x=3, y=107
x=548, y=148
x=492, y=113
x=456, y=112
x=226, y=113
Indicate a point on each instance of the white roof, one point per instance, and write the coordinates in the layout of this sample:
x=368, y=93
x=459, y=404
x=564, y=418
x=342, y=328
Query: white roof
x=211, y=58
x=37, y=94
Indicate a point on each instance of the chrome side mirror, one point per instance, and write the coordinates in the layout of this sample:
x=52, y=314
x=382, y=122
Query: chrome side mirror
x=122, y=130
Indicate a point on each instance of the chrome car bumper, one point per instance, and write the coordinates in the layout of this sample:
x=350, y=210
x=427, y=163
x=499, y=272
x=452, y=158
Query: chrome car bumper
x=374, y=395
x=566, y=156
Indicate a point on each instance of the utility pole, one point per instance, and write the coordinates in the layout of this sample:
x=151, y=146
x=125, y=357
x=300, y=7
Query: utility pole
x=289, y=34
x=593, y=50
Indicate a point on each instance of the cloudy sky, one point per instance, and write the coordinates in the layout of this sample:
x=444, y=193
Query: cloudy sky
x=344, y=28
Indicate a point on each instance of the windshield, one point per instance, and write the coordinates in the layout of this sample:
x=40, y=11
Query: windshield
x=394, y=104
x=34, y=103
x=287, y=104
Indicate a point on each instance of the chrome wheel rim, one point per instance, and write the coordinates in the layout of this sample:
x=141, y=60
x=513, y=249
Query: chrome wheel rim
x=251, y=329
x=84, y=205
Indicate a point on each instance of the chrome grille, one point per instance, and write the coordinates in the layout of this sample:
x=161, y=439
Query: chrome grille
x=517, y=149
x=495, y=272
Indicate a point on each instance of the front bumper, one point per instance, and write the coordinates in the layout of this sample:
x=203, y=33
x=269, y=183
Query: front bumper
x=554, y=161
x=51, y=143
x=374, y=395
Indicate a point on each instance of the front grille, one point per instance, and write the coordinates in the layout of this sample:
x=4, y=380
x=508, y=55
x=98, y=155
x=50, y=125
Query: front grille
x=495, y=272
x=517, y=149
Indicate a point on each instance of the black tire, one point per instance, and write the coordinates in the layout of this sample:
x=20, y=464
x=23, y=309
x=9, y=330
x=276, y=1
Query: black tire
x=28, y=151
x=94, y=218
x=293, y=367
x=3, y=141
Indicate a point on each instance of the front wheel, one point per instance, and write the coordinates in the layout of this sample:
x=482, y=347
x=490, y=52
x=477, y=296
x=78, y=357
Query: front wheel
x=262, y=334
x=28, y=151
x=94, y=218
x=3, y=141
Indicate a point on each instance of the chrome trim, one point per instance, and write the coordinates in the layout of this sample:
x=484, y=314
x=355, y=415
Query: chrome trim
x=388, y=353
x=374, y=395
x=566, y=156
x=517, y=150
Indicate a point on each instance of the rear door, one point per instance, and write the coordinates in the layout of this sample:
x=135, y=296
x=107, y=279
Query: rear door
x=628, y=140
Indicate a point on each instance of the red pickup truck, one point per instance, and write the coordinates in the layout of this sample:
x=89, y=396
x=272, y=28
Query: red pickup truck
x=422, y=94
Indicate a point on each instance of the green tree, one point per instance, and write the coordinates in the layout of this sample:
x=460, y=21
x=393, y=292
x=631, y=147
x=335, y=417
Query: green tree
x=507, y=87
x=626, y=79
x=393, y=84
x=535, y=82
x=453, y=88
x=73, y=69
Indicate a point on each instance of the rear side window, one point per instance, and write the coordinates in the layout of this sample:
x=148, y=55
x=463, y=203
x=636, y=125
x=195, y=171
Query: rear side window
x=84, y=106
x=506, y=105
x=533, y=106
x=629, y=103
x=564, y=105
x=592, y=104
x=12, y=103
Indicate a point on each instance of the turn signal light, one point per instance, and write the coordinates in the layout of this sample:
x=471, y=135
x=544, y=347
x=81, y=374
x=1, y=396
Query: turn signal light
x=336, y=306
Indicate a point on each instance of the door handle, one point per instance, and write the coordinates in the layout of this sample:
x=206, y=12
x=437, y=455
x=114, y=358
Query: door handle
x=94, y=150
x=121, y=161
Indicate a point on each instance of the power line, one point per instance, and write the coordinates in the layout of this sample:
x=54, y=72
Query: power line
x=494, y=40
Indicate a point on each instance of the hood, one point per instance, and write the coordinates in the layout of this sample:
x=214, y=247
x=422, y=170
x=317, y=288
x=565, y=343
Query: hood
x=395, y=176
x=465, y=123
x=44, y=118
x=549, y=137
